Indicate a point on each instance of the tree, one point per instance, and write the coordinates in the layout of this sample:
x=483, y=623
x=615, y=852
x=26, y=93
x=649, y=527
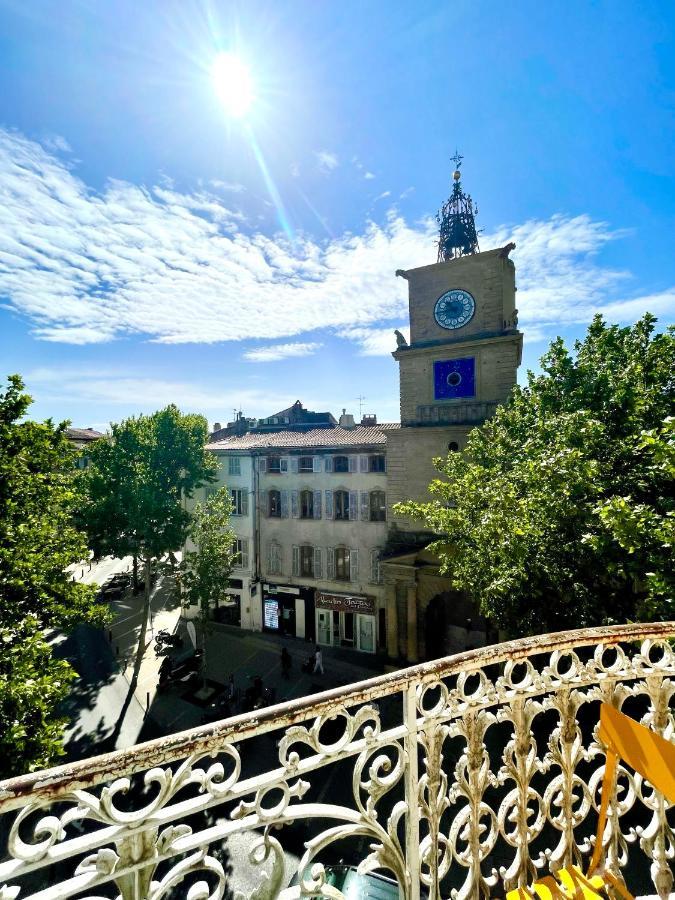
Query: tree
x=135, y=486
x=205, y=571
x=559, y=513
x=38, y=542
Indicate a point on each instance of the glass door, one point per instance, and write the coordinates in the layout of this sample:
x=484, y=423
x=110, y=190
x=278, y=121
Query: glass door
x=347, y=630
x=323, y=627
x=367, y=634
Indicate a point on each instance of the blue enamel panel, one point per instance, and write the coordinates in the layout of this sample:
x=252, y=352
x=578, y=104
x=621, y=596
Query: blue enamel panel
x=454, y=378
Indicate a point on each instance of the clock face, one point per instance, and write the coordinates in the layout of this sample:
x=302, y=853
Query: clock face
x=454, y=309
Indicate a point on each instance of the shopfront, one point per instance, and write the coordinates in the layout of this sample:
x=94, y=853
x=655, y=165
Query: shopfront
x=288, y=610
x=345, y=620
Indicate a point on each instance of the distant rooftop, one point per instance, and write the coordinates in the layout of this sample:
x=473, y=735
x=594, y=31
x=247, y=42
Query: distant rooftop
x=83, y=434
x=295, y=417
x=335, y=436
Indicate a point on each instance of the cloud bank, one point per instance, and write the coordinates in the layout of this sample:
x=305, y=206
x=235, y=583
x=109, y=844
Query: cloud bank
x=88, y=266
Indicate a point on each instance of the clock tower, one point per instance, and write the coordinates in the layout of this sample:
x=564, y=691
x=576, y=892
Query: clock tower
x=460, y=364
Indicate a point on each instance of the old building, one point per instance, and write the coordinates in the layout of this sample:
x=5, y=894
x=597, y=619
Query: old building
x=460, y=364
x=310, y=515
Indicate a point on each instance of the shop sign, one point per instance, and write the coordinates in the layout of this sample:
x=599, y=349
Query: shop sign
x=345, y=603
x=271, y=613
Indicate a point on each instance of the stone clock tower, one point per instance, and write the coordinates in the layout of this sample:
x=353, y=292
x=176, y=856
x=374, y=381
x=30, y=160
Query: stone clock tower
x=460, y=364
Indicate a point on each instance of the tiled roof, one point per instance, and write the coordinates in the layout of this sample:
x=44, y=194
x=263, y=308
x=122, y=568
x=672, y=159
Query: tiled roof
x=318, y=437
x=83, y=434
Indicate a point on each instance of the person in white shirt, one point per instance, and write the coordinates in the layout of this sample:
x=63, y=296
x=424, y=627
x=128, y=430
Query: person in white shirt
x=318, y=661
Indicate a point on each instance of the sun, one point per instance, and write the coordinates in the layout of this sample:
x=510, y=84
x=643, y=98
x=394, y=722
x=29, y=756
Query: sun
x=233, y=84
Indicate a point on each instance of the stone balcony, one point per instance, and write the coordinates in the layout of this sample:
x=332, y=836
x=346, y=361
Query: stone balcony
x=462, y=777
x=467, y=413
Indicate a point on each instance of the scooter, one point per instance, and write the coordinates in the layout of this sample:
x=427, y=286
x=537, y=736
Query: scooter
x=183, y=668
x=164, y=641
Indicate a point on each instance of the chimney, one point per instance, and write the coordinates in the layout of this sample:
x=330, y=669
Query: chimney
x=369, y=419
x=347, y=420
x=216, y=426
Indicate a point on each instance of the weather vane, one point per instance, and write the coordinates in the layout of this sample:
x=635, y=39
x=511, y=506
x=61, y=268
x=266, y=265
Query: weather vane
x=457, y=233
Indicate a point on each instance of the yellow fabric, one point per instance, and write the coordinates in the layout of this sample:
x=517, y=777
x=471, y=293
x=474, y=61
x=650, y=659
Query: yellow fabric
x=650, y=755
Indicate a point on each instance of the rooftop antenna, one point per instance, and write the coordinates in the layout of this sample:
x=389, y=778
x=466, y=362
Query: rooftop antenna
x=360, y=398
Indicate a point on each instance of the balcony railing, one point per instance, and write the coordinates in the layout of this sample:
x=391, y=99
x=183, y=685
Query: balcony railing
x=462, y=777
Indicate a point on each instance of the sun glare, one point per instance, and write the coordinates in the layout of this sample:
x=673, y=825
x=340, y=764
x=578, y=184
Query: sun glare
x=233, y=84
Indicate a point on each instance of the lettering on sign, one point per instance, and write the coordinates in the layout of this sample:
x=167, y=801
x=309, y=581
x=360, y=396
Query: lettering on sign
x=345, y=603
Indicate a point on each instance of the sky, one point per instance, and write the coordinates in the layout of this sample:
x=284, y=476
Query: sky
x=155, y=248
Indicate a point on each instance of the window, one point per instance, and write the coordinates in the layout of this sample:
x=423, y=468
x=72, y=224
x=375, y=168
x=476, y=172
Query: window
x=341, y=505
x=307, y=561
x=342, y=564
x=274, y=559
x=276, y=464
x=377, y=463
x=275, y=504
x=240, y=549
x=239, y=502
x=306, y=464
x=341, y=464
x=234, y=465
x=307, y=504
x=378, y=506
x=375, y=567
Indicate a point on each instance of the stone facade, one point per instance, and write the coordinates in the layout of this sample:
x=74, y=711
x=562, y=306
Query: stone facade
x=425, y=617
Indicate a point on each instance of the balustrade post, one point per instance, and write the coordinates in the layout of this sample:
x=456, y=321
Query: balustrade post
x=412, y=819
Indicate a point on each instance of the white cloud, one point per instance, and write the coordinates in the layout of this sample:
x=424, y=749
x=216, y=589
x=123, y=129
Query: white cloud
x=295, y=170
x=57, y=143
x=281, y=351
x=382, y=196
x=369, y=175
x=326, y=161
x=406, y=193
x=230, y=186
x=375, y=341
x=86, y=266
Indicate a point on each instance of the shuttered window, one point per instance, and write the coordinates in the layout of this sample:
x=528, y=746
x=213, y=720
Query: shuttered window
x=378, y=506
x=307, y=504
x=342, y=564
x=341, y=505
x=275, y=504
x=306, y=561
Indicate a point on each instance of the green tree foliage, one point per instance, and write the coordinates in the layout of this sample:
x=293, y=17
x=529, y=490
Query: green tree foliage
x=135, y=487
x=205, y=571
x=38, y=542
x=559, y=513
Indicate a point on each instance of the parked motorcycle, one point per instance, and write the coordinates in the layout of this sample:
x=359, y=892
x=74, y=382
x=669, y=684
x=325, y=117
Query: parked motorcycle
x=180, y=669
x=164, y=641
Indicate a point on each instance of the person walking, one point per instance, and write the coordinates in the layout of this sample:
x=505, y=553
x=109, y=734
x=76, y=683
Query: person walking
x=286, y=663
x=318, y=661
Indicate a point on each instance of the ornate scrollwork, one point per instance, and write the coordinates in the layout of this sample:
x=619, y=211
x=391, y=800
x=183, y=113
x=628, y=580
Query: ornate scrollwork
x=507, y=756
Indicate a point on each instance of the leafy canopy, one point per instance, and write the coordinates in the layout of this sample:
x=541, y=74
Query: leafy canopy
x=560, y=512
x=38, y=542
x=205, y=571
x=137, y=479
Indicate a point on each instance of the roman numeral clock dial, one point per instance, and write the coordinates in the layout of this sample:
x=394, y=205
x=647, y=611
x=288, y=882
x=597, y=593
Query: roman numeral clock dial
x=454, y=309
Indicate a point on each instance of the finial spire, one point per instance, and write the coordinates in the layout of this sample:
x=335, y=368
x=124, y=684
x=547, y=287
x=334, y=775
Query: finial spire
x=457, y=236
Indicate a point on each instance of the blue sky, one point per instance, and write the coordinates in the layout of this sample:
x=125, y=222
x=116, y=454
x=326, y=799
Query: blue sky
x=154, y=250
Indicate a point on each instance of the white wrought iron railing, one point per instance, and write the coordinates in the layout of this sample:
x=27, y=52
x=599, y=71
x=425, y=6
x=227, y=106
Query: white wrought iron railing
x=461, y=777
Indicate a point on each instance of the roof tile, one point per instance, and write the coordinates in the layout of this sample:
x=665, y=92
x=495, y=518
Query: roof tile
x=317, y=437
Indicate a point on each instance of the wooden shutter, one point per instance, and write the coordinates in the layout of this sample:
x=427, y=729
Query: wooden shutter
x=353, y=505
x=363, y=463
x=262, y=464
x=284, y=504
x=330, y=564
x=317, y=562
x=283, y=464
x=329, y=505
x=294, y=465
x=244, y=553
x=317, y=504
x=375, y=566
x=264, y=503
x=328, y=464
x=244, y=503
x=365, y=506
x=316, y=464
x=295, y=511
x=353, y=463
x=296, y=560
x=353, y=565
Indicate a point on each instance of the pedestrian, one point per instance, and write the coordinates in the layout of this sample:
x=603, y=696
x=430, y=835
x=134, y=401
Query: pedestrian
x=286, y=663
x=318, y=661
